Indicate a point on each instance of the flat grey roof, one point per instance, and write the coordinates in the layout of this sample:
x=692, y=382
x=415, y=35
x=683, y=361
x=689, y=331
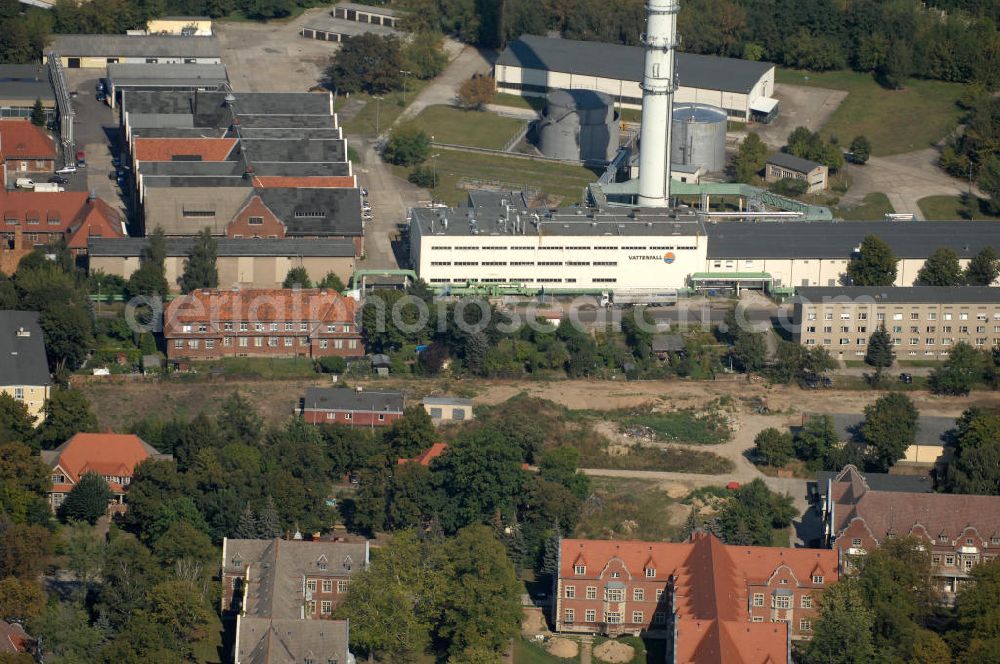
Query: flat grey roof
x=793, y=163
x=236, y=169
x=210, y=110
x=135, y=46
x=839, y=239
x=22, y=358
x=880, y=482
x=344, y=398
x=563, y=222
x=930, y=430
x=25, y=82
x=322, y=248
x=310, y=211
x=909, y=295
x=447, y=401
x=368, y=9
x=342, y=26
x=616, y=61
x=302, y=148
x=132, y=74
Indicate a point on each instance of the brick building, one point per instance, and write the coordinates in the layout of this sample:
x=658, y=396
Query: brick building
x=279, y=322
x=34, y=218
x=25, y=150
x=356, y=408
x=960, y=530
x=288, y=579
x=112, y=456
x=723, y=603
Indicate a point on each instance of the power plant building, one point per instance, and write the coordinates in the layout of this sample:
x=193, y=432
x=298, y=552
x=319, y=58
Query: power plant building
x=591, y=250
x=579, y=125
x=533, y=66
x=698, y=137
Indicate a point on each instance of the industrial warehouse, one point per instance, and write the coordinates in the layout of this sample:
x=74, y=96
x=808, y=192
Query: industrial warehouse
x=533, y=65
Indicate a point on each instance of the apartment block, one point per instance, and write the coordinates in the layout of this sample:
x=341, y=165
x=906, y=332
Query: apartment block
x=923, y=321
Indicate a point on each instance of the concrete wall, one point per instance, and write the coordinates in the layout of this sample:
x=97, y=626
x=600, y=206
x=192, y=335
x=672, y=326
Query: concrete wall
x=244, y=271
x=594, y=263
x=169, y=26
x=737, y=105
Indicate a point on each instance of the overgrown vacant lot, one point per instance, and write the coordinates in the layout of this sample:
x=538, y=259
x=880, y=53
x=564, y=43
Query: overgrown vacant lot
x=478, y=129
x=630, y=508
x=680, y=426
x=895, y=121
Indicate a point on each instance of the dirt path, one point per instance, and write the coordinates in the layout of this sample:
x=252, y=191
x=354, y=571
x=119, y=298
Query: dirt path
x=444, y=88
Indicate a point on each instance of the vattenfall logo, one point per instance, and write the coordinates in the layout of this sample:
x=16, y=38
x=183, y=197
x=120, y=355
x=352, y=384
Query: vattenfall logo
x=667, y=258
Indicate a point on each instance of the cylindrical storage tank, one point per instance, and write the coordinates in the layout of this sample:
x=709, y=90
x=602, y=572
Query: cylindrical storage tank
x=699, y=137
x=578, y=125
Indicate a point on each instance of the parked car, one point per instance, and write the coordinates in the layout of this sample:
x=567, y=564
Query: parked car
x=66, y=170
x=25, y=183
x=905, y=378
x=58, y=179
x=81, y=159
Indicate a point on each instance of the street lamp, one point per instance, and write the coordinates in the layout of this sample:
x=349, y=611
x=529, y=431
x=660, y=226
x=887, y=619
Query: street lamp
x=405, y=73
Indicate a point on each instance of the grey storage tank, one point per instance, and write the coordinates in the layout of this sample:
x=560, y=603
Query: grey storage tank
x=578, y=125
x=699, y=136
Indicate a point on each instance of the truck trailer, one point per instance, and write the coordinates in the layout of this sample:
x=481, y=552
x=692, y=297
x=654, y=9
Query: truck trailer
x=649, y=297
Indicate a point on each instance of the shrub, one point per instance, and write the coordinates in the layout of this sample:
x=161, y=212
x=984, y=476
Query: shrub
x=331, y=365
x=407, y=146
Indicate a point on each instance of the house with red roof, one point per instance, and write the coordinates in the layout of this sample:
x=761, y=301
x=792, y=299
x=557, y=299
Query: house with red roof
x=25, y=149
x=262, y=322
x=961, y=531
x=426, y=457
x=723, y=604
x=113, y=456
x=13, y=638
x=35, y=218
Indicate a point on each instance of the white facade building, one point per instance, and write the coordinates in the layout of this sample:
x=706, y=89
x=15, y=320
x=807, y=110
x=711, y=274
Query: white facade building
x=532, y=66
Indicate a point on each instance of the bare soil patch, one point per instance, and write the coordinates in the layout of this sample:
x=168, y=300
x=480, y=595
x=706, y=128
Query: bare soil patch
x=614, y=652
x=565, y=648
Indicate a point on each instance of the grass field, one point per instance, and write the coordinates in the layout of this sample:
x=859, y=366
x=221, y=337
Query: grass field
x=873, y=206
x=894, y=121
x=209, y=649
x=504, y=99
x=477, y=129
x=951, y=207
x=381, y=113
x=565, y=182
x=682, y=426
x=526, y=652
x=628, y=507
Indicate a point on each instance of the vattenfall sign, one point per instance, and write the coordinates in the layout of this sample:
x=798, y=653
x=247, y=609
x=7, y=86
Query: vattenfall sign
x=667, y=258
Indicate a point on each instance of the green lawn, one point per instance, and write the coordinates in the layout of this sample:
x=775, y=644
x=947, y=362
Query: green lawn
x=477, y=129
x=260, y=367
x=565, y=182
x=951, y=207
x=894, y=120
x=872, y=207
x=208, y=650
x=517, y=101
x=384, y=111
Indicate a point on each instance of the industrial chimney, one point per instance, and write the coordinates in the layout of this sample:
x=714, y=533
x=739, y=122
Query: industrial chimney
x=657, y=102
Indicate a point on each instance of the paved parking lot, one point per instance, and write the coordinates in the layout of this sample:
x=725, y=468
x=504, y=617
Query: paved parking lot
x=273, y=56
x=801, y=106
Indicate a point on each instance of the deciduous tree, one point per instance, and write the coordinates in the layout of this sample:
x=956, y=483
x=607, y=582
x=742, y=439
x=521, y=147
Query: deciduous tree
x=67, y=412
x=20, y=599
x=16, y=423
x=477, y=92
x=200, y=270
x=941, y=269
x=890, y=426
x=976, y=466
x=407, y=146
x=87, y=501
x=423, y=55
x=874, y=264
x=774, y=447
x=984, y=268
x=963, y=370
x=814, y=441
x=843, y=633
x=861, y=150
x=297, y=277
x=367, y=63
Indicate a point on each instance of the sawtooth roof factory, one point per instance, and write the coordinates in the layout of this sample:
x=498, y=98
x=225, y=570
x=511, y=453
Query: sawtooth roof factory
x=533, y=65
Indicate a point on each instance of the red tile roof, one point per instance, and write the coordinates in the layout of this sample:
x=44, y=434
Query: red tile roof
x=101, y=453
x=165, y=149
x=19, y=139
x=13, y=638
x=70, y=212
x=433, y=452
x=897, y=512
x=326, y=182
x=258, y=305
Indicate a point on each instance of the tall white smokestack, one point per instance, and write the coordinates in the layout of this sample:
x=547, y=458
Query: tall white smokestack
x=657, y=102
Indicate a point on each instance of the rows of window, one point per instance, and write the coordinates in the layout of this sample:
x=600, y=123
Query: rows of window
x=524, y=263
x=913, y=315
x=910, y=341
x=614, y=617
x=581, y=248
x=287, y=326
x=612, y=594
x=312, y=585
x=783, y=601
x=260, y=342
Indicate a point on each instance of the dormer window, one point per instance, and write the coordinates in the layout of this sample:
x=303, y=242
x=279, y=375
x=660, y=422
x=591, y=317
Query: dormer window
x=237, y=562
x=650, y=572
x=321, y=565
x=579, y=570
x=818, y=579
x=348, y=563
x=616, y=575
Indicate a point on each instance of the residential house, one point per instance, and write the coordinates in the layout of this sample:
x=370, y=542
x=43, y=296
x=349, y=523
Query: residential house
x=280, y=322
x=32, y=219
x=25, y=150
x=355, y=408
x=723, y=604
x=448, y=409
x=24, y=368
x=288, y=579
x=960, y=530
x=13, y=638
x=784, y=166
x=931, y=447
x=113, y=456
x=427, y=456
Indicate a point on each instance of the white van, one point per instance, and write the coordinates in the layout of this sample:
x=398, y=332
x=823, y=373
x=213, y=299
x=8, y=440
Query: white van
x=25, y=183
